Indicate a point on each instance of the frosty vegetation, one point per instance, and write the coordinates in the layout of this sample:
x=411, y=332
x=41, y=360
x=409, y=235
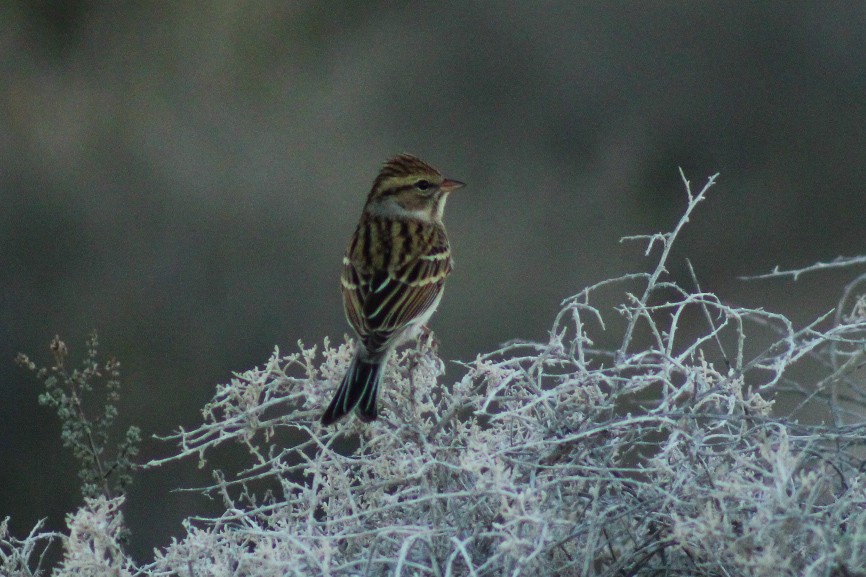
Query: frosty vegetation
x=661, y=455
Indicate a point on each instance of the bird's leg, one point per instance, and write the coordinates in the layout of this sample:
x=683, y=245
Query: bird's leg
x=426, y=338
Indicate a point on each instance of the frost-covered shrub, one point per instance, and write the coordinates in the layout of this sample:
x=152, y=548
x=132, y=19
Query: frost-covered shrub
x=24, y=557
x=93, y=546
x=661, y=455
x=554, y=458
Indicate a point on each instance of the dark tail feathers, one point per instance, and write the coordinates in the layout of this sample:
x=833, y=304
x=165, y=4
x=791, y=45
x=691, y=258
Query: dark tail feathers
x=359, y=388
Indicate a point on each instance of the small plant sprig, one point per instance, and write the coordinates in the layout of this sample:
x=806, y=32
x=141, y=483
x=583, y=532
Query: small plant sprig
x=101, y=474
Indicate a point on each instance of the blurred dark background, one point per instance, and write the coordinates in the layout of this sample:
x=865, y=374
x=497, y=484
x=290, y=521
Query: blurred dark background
x=183, y=177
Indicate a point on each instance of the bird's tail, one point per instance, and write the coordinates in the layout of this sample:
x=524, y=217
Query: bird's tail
x=359, y=388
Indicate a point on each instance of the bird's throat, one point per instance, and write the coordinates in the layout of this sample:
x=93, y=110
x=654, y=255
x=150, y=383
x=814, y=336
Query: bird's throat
x=392, y=208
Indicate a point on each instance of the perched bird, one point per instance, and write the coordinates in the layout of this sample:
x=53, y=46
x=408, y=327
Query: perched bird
x=393, y=274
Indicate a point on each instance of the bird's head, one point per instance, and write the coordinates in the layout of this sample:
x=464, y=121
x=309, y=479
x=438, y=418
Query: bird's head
x=407, y=186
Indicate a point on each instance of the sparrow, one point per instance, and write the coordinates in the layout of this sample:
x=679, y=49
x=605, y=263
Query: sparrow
x=393, y=274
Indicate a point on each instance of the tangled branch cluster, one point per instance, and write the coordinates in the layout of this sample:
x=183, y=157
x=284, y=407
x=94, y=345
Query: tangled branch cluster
x=659, y=455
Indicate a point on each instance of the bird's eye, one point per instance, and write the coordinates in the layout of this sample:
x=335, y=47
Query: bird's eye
x=423, y=185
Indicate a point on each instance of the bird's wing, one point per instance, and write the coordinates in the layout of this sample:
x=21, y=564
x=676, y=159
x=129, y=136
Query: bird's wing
x=354, y=286
x=381, y=304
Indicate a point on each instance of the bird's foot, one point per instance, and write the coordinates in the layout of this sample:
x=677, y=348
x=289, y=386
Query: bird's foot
x=427, y=339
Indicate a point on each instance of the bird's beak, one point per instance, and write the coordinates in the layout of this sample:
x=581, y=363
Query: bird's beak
x=449, y=185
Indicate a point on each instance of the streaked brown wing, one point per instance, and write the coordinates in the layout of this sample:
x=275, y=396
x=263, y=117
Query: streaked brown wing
x=385, y=289
x=354, y=286
x=396, y=298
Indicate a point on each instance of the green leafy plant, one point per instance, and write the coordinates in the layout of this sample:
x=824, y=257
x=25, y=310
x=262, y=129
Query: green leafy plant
x=103, y=471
